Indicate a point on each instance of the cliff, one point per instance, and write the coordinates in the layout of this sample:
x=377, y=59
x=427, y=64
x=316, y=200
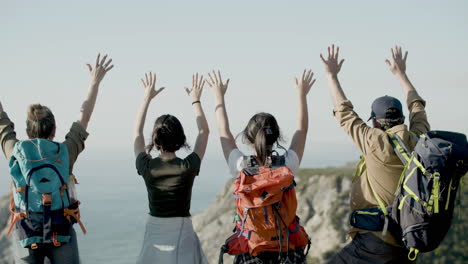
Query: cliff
x=6, y=254
x=323, y=206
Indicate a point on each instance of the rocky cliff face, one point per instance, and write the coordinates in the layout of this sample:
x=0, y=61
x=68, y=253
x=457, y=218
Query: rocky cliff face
x=6, y=254
x=323, y=196
x=323, y=206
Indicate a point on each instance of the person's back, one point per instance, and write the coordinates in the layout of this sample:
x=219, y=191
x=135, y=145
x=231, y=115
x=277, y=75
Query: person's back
x=258, y=242
x=169, y=235
x=380, y=168
x=169, y=184
x=40, y=237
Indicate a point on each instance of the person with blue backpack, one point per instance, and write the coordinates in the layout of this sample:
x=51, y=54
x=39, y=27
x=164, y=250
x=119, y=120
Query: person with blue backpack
x=43, y=204
x=403, y=192
x=169, y=235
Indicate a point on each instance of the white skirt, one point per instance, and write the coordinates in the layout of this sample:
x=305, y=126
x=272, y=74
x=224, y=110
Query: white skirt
x=171, y=240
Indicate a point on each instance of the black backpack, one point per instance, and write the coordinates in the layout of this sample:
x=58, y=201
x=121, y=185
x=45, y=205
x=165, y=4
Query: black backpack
x=422, y=211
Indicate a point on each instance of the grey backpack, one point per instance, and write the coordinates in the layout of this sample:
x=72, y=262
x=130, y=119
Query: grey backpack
x=422, y=211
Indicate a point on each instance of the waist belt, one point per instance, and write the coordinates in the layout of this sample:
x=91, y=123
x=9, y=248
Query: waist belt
x=372, y=219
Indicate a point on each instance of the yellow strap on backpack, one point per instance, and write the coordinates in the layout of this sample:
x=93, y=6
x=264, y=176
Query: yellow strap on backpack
x=377, y=198
x=360, y=168
x=413, y=254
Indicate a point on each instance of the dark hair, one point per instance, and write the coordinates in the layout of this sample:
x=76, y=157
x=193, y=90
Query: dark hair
x=40, y=122
x=386, y=124
x=168, y=134
x=262, y=131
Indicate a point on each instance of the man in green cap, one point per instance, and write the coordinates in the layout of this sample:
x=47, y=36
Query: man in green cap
x=379, y=177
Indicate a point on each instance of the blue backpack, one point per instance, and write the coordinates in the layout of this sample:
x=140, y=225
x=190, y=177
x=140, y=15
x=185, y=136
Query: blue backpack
x=422, y=211
x=41, y=210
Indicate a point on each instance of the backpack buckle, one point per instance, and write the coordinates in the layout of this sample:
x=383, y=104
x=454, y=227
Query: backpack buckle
x=55, y=240
x=46, y=199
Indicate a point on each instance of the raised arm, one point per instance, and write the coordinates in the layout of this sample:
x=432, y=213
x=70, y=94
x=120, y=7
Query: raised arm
x=203, y=130
x=416, y=105
x=97, y=74
x=343, y=110
x=332, y=68
x=150, y=92
x=303, y=87
x=219, y=88
x=397, y=66
x=7, y=134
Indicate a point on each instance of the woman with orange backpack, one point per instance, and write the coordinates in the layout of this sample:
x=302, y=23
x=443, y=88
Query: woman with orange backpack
x=169, y=236
x=267, y=228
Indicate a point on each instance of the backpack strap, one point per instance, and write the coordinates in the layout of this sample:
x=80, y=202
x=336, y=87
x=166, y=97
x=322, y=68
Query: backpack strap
x=70, y=213
x=15, y=216
x=47, y=233
x=360, y=168
x=399, y=147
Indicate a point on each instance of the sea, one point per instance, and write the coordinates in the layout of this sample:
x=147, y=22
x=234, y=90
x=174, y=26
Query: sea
x=114, y=203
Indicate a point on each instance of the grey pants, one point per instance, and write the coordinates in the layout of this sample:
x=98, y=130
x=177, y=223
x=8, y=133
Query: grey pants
x=67, y=253
x=369, y=249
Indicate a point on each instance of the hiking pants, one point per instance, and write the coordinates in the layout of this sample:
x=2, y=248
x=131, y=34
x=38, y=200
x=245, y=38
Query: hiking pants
x=369, y=249
x=67, y=253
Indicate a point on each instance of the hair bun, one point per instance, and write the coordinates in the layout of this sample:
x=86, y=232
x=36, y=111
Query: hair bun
x=36, y=112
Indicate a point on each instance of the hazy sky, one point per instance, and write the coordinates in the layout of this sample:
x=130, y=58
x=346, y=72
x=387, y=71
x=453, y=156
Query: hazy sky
x=260, y=45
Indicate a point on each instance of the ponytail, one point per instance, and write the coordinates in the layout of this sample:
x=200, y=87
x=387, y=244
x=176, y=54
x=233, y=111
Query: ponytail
x=261, y=148
x=262, y=132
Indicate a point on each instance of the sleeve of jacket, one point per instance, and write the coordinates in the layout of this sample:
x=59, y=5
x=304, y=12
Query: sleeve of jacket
x=354, y=126
x=75, y=142
x=417, y=114
x=7, y=135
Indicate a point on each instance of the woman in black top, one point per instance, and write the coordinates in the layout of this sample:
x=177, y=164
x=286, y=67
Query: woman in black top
x=169, y=236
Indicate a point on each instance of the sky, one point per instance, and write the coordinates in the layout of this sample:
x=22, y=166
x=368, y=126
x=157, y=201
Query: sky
x=260, y=45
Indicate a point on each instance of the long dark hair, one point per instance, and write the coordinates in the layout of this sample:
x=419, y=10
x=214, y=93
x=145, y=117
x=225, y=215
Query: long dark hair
x=168, y=134
x=263, y=132
x=40, y=122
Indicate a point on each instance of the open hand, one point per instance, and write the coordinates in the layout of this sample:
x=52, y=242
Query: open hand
x=397, y=65
x=305, y=83
x=100, y=69
x=149, y=83
x=332, y=67
x=216, y=83
x=197, y=87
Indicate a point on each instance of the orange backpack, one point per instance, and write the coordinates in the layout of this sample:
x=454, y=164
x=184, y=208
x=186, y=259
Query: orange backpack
x=266, y=211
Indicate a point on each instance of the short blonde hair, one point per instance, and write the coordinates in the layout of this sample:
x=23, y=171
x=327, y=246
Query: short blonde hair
x=40, y=122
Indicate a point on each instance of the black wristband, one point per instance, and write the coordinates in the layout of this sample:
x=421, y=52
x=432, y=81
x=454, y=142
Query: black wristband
x=196, y=102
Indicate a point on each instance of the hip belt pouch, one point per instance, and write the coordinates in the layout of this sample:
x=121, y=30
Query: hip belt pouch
x=372, y=219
